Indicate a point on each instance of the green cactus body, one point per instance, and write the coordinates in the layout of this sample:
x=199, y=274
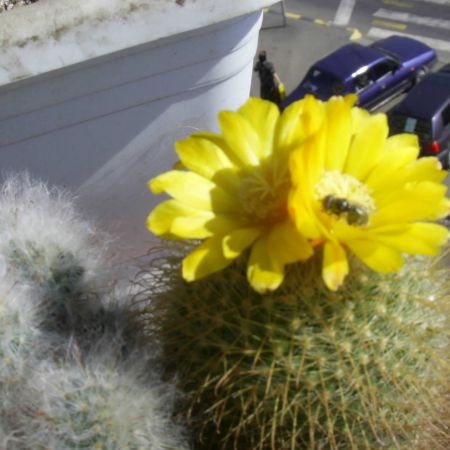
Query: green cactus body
x=305, y=368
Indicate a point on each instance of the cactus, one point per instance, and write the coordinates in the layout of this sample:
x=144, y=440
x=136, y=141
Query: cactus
x=72, y=373
x=365, y=367
x=96, y=405
x=53, y=257
x=59, y=393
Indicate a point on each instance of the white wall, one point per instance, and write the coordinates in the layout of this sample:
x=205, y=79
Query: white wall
x=104, y=126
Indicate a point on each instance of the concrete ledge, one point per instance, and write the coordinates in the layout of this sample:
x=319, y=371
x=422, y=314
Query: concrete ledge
x=53, y=34
x=127, y=79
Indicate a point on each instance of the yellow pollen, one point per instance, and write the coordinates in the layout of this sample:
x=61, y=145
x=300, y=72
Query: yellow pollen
x=264, y=192
x=345, y=186
x=345, y=198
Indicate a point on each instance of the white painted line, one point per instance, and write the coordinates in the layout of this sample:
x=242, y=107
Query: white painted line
x=437, y=44
x=439, y=2
x=412, y=18
x=344, y=12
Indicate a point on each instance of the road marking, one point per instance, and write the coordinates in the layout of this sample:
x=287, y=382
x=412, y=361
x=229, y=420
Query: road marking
x=399, y=3
x=293, y=15
x=389, y=24
x=438, y=2
x=356, y=34
x=344, y=12
x=412, y=18
x=437, y=44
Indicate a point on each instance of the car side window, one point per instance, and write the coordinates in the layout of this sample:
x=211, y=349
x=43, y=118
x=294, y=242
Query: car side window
x=362, y=81
x=381, y=69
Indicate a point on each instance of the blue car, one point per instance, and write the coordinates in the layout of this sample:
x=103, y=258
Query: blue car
x=425, y=111
x=375, y=73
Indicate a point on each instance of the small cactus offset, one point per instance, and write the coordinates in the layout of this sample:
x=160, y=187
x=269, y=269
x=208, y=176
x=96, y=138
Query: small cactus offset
x=39, y=223
x=72, y=375
x=52, y=258
x=306, y=368
x=97, y=405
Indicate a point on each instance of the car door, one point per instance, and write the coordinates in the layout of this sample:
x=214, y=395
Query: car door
x=385, y=74
x=364, y=87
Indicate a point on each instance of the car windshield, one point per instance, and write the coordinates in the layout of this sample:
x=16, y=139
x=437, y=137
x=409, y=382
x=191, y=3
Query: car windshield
x=318, y=81
x=400, y=123
x=386, y=52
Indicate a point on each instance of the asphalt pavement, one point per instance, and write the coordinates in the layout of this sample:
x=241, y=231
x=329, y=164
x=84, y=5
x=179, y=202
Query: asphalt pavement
x=295, y=46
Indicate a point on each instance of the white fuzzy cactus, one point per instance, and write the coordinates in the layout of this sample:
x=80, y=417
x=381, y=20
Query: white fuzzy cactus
x=72, y=375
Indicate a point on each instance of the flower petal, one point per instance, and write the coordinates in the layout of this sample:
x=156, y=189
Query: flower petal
x=160, y=221
x=262, y=272
x=205, y=259
x=392, y=164
x=194, y=190
x=307, y=161
x=208, y=160
x=416, y=201
x=286, y=245
x=241, y=138
x=401, y=140
x=367, y=146
x=305, y=165
x=378, y=257
x=262, y=116
x=302, y=213
x=391, y=184
x=237, y=241
x=175, y=220
x=219, y=141
x=416, y=239
x=360, y=118
x=299, y=121
x=339, y=133
x=202, y=156
x=425, y=169
x=335, y=265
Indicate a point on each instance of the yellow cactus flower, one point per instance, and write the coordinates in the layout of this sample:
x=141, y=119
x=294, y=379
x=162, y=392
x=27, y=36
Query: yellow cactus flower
x=234, y=194
x=357, y=189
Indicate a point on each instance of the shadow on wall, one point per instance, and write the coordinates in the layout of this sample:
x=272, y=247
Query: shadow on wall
x=104, y=127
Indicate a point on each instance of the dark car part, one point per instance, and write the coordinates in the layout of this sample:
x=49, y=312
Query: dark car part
x=425, y=111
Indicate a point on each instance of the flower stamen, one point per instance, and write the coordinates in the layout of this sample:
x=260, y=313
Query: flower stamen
x=345, y=197
x=264, y=193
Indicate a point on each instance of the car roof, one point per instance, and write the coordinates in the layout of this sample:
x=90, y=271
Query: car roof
x=346, y=60
x=401, y=47
x=426, y=98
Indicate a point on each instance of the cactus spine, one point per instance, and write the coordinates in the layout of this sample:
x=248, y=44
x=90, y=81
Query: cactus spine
x=305, y=368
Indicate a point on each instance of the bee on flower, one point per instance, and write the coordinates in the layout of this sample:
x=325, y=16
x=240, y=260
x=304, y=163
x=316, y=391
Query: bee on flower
x=318, y=177
x=355, y=189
